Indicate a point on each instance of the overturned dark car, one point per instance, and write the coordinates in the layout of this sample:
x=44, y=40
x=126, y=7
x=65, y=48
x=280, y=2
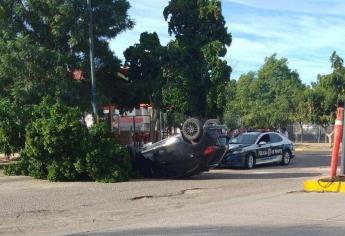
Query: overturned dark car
x=197, y=149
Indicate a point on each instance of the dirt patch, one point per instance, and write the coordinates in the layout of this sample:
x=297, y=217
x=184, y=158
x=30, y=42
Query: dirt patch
x=295, y=192
x=38, y=212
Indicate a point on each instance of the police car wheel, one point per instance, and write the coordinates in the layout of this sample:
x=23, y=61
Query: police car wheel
x=250, y=161
x=286, y=158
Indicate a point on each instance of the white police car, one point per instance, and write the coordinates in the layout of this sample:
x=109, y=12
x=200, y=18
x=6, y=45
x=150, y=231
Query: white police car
x=255, y=148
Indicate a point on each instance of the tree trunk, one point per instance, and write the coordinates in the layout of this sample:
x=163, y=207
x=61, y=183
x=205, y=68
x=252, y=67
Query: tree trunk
x=7, y=153
x=328, y=135
x=159, y=126
x=153, y=127
x=301, y=127
x=330, y=138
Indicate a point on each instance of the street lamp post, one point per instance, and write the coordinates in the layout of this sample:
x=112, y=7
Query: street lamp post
x=92, y=63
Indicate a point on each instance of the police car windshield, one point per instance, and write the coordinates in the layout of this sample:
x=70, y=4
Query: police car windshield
x=245, y=138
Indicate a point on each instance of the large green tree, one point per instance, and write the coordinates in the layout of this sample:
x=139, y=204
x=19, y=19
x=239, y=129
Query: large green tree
x=327, y=94
x=301, y=113
x=42, y=42
x=269, y=98
x=197, y=76
x=145, y=70
x=145, y=61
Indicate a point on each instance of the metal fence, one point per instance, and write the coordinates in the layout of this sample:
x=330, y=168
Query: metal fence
x=309, y=133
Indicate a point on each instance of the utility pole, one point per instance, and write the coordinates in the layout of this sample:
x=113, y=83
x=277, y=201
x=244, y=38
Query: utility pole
x=92, y=64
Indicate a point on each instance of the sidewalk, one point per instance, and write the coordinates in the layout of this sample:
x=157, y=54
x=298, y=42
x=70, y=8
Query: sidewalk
x=312, y=146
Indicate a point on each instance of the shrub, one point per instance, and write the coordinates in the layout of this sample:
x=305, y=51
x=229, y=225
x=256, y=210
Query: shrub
x=19, y=167
x=13, y=169
x=11, y=127
x=54, y=142
x=105, y=161
x=58, y=147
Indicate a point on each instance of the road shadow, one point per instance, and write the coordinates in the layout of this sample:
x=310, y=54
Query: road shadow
x=302, y=160
x=310, y=160
x=305, y=160
x=256, y=175
x=220, y=174
x=305, y=230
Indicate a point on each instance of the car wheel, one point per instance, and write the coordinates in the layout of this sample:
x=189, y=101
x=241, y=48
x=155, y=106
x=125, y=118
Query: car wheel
x=286, y=158
x=250, y=161
x=192, y=130
x=212, y=122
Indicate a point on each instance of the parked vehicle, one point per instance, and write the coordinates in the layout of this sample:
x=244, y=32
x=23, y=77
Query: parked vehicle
x=255, y=148
x=198, y=148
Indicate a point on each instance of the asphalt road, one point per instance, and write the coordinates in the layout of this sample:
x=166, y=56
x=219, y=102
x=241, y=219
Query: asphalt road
x=267, y=200
x=232, y=230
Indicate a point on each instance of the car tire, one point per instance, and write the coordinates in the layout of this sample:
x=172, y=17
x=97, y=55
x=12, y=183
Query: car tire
x=192, y=130
x=250, y=161
x=286, y=158
x=212, y=122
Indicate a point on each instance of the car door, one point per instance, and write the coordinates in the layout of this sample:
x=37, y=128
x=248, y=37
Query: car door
x=276, y=147
x=264, y=145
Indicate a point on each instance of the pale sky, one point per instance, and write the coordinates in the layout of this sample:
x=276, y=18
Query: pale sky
x=304, y=31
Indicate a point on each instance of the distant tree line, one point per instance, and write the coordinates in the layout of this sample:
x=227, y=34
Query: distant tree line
x=274, y=96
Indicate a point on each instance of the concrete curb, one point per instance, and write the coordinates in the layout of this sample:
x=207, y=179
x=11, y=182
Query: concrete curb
x=325, y=185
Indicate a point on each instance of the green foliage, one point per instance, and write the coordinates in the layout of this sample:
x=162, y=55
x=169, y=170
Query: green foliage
x=188, y=76
x=17, y=168
x=145, y=70
x=42, y=42
x=328, y=93
x=11, y=127
x=231, y=118
x=58, y=147
x=175, y=119
x=54, y=141
x=197, y=77
x=270, y=98
x=104, y=160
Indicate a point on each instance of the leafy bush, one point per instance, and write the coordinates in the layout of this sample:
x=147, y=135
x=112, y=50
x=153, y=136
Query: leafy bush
x=19, y=167
x=11, y=128
x=104, y=161
x=54, y=142
x=58, y=147
x=14, y=169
